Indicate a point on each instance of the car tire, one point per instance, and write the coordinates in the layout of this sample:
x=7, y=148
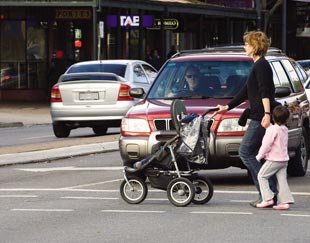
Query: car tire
x=61, y=131
x=100, y=130
x=298, y=165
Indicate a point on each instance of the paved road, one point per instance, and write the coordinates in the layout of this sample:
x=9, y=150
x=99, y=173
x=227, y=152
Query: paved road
x=17, y=114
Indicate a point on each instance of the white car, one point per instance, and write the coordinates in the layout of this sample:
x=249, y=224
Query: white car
x=96, y=94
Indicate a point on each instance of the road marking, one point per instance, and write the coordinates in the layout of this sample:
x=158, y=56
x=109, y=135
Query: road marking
x=240, y=201
x=93, y=184
x=29, y=138
x=92, y=198
x=41, y=210
x=131, y=211
x=72, y=189
x=295, y=215
x=70, y=168
x=233, y=213
x=16, y=196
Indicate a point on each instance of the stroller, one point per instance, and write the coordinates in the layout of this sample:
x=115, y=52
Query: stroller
x=169, y=166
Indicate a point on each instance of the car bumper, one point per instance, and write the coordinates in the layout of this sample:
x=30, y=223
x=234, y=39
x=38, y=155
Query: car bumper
x=223, y=150
x=60, y=112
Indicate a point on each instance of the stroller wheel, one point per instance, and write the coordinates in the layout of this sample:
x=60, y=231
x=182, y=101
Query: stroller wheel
x=134, y=191
x=180, y=192
x=203, y=190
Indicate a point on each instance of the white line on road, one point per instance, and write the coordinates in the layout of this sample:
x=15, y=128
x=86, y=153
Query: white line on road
x=295, y=215
x=29, y=138
x=93, y=184
x=92, y=198
x=23, y=196
x=131, y=211
x=234, y=213
x=69, y=189
x=41, y=210
x=70, y=168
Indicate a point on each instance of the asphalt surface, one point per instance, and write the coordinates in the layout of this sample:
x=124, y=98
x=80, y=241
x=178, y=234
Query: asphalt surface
x=18, y=114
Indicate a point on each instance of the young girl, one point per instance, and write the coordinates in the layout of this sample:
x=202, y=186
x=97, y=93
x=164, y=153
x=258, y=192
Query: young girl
x=274, y=151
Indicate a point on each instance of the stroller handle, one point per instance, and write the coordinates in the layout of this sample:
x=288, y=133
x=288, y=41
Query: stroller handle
x=210, y=110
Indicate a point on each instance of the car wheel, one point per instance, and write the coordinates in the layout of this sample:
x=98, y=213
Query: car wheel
x=298, y=165
x=102, y=130
x=61, y=131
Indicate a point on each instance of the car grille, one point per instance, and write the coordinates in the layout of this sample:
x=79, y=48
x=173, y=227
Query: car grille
x=164, y=124
x=167, y=124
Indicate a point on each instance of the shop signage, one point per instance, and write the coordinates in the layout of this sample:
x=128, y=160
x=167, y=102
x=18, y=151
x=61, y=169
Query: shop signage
x=73, y=14
x=128, y=21
x=169, y=24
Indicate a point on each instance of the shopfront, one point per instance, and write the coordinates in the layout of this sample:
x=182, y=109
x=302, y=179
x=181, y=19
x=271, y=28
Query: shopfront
x=41, y=39
x=38, y=43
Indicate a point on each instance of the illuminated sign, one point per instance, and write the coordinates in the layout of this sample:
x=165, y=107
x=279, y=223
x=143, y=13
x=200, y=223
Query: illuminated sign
x=73, y=14
x=129, y=21
x=168, y=24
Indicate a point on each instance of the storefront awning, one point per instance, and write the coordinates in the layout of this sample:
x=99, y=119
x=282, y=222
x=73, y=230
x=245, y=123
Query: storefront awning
x=182, y=6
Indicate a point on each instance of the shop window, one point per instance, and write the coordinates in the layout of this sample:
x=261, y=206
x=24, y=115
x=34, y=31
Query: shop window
x=23, y=55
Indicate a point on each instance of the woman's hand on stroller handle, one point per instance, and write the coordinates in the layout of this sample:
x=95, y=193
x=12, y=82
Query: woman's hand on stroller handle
x=216, y=109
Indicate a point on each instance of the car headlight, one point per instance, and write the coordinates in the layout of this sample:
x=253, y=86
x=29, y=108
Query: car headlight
x=135, y=125
x=231, y=125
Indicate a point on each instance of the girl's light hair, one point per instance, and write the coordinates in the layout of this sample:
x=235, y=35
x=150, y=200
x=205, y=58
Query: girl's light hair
x=258, y=40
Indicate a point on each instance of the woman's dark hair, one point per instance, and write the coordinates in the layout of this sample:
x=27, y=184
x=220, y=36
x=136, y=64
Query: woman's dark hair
x=280, y=114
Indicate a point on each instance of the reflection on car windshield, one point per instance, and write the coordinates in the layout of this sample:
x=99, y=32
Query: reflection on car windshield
x=118, y=69
x=68, y=78
x=216, y=79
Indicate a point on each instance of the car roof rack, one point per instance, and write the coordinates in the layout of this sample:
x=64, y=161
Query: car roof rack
x=225, y=48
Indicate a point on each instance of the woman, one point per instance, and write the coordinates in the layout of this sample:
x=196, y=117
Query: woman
x=259, y=90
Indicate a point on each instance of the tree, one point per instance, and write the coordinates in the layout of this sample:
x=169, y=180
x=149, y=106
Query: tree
x=268, y=7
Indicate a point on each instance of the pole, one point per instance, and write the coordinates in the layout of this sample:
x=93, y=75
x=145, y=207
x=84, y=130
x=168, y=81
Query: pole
x=284, y=23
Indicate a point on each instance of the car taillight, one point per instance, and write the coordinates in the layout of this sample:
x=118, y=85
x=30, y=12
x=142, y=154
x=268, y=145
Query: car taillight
x=55, y=94
x=124, y=93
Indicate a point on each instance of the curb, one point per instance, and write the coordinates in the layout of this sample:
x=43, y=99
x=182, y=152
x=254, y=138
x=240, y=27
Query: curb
x=57, y=153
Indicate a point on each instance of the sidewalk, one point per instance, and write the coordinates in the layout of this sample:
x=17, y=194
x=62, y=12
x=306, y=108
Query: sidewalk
x=18, y=114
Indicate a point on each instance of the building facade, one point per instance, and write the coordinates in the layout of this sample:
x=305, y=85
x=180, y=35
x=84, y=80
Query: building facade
x=39, y=40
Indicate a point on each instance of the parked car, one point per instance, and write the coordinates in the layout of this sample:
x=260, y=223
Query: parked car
x=225, y=71
x=306, y=65
x=96, y=94
x=307, y=87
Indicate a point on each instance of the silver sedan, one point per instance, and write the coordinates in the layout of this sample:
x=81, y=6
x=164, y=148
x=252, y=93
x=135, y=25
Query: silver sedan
x=96, y=94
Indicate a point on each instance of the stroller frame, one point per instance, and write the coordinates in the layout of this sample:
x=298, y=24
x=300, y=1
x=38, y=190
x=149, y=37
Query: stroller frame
x=162, y=168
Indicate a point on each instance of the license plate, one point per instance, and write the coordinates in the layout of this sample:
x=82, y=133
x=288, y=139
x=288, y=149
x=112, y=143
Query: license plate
x=89, y=96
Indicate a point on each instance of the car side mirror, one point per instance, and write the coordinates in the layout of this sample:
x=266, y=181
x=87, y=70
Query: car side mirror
x=137, y=92
x=282, y=92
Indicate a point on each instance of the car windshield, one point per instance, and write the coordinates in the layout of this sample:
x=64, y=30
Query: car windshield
x=118, y=69
x=69, y=78
x=200, y=79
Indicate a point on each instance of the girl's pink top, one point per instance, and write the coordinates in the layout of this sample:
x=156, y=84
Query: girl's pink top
x=274, y=144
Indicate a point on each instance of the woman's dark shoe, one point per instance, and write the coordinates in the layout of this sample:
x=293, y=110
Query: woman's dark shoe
x=254, y=203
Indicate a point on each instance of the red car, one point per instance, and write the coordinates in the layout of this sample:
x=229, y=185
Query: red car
x=223, y=71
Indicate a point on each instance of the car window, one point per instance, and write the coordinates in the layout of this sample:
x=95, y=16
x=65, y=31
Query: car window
x=216, y=79
x=138, y=75
x=150, y=72
x=293, y=76
x=301, y=72
x=279, y=75
x=118, y=69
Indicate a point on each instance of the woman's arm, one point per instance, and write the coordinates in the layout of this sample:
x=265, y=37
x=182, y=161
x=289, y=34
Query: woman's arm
x=266, y=118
